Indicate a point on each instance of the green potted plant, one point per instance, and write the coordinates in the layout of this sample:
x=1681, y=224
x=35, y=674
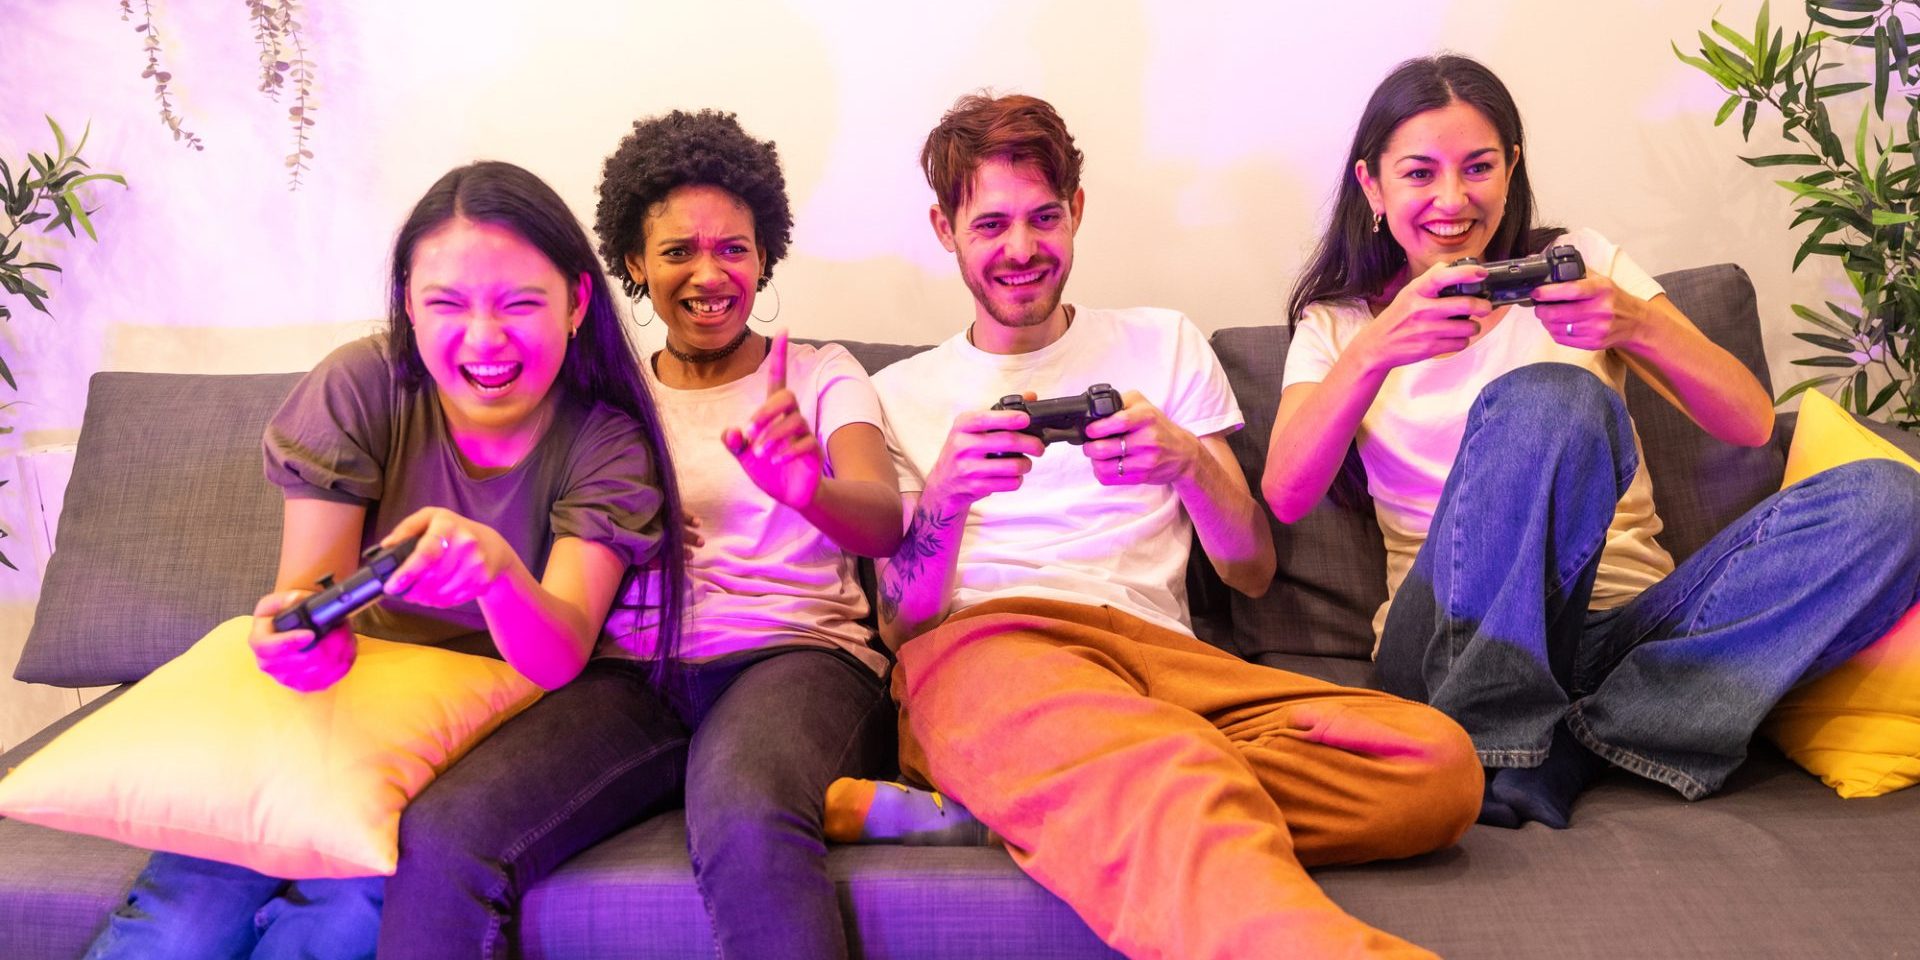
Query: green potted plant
x=47, y=191
x=1856, y=194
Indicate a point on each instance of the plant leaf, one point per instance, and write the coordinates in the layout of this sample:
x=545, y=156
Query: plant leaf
x=1825, y=362
x=1825, y=323
x=1805, y=385
x=1880, y=71
x=1739, y=42
x=59, y=138
x=79, y=212
x=1880, y=399
x=1726, y=110
x=1781, y=159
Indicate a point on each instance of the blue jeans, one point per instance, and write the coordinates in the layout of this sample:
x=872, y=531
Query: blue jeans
x=1491, y=625
x=772, y=728
x=186, y=908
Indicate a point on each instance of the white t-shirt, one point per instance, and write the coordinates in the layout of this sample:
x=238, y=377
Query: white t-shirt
x=1410, y=435
x=1063, y=536
x=765, y=575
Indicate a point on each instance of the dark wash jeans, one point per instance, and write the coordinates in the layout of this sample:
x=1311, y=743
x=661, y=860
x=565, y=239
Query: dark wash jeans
x=772, y=728
x=1492, y=626
x=775, y=727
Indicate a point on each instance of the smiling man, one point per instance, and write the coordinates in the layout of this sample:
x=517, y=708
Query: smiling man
x=1048, y=678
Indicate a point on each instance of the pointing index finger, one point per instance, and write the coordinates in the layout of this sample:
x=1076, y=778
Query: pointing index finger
x=777, y=368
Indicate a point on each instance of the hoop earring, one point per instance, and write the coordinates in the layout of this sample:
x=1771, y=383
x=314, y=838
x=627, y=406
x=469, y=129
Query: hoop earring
x=643, y=295
x=1378, y=218
x=776, y=305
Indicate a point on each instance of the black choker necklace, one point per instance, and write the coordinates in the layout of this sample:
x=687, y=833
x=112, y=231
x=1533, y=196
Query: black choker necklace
x=699, y=357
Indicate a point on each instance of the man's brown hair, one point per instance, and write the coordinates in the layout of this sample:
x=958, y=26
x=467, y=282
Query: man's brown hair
x=979, y=128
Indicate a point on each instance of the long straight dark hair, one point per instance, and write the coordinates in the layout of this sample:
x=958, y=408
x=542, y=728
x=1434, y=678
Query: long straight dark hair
x=1352, y=260
x=600, y=364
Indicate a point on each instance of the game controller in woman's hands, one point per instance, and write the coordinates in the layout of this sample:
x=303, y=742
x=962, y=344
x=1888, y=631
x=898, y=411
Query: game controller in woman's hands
x=1513, y=281
x=325, y=611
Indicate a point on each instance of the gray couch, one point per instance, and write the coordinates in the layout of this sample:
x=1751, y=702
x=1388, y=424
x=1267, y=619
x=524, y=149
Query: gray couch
x=168, y=529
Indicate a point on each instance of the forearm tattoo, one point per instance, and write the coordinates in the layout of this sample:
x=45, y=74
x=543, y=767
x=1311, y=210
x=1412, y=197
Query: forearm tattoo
x=922, y=541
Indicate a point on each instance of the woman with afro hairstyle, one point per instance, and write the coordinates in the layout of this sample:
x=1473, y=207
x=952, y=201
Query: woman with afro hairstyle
x=784, y=476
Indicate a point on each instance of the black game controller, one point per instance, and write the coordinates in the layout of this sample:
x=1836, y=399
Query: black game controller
x=1065, y=418
x=1513, y=281
x=335, y=602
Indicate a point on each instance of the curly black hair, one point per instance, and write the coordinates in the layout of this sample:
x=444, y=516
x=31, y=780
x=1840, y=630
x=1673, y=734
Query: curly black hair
x=681, y=148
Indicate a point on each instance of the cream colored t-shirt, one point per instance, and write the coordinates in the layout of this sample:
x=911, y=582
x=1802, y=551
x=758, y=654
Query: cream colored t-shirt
x=1062, y=535
x=765, y=575
x=1410, y=435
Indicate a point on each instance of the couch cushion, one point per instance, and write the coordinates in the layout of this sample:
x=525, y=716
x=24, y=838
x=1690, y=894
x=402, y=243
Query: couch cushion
x=633, y=897
x=1772, y=866
x=1331, y=573
x=169, y=525
x=1700, y=484
x=56, y=888
x=301, y=785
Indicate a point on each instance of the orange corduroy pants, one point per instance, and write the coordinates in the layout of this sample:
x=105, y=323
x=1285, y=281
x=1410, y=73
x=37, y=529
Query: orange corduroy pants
x=1171, y=793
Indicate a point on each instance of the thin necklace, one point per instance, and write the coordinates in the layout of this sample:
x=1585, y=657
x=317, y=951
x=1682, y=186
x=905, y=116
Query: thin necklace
x=697, y=357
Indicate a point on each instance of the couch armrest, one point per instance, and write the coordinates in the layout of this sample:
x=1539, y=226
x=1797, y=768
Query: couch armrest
x=1906, y=440
x=29, y=747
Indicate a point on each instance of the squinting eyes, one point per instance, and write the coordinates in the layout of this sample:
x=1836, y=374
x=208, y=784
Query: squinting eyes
x=1476, y=170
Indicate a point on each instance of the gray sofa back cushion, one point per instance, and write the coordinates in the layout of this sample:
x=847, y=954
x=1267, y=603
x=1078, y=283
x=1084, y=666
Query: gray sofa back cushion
x=1331, y=574
x=168, y=529
x=1700, y=484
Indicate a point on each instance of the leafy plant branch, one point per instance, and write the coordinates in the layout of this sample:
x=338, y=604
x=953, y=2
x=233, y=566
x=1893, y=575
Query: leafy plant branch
x=47, y=192
x=279, y=36
x=1861, y=206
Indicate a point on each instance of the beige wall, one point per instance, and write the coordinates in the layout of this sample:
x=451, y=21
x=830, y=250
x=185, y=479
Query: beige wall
x=1213, y=133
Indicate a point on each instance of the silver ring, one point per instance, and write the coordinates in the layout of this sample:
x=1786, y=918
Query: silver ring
x=444, y=545
x=1569, y=329
x=1123, y=448
x=1120, y=466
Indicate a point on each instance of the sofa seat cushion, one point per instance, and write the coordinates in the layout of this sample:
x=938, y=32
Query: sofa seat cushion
x=1773, y=866
x=633, y=897
x=56, y=889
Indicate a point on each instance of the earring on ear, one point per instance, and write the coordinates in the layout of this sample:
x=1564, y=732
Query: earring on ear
x=1378, y=218
x=642, y=295
x=575, y=332
x=776, y=305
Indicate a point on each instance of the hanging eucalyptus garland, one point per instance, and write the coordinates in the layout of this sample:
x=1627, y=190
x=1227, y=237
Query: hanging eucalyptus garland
x=277, y=32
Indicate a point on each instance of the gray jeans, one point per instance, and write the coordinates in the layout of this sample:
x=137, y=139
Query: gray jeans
x=772, y=728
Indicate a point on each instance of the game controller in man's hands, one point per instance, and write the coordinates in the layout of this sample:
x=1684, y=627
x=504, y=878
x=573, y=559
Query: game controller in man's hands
x=325, y=611
x=1513, y=281
x=1064, y=418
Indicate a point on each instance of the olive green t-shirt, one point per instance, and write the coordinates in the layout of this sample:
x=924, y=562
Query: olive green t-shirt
x=352, y=432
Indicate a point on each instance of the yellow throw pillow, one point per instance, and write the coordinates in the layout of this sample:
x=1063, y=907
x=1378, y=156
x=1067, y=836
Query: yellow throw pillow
x=1857, y=728
x=210, y=757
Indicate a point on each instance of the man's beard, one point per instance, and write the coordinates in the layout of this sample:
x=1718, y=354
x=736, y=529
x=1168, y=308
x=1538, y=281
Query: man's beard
x=1030, y=314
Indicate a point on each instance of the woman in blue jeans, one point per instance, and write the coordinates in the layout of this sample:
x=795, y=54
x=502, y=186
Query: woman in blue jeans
x=783, y=467
x=499, y=420
x=1529, y=599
